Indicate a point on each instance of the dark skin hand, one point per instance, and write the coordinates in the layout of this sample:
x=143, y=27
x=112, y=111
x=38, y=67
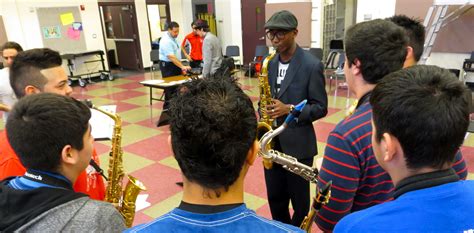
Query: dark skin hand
x=278, y=109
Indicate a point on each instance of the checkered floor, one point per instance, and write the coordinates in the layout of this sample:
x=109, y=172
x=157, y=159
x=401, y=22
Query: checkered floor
x=148, y=156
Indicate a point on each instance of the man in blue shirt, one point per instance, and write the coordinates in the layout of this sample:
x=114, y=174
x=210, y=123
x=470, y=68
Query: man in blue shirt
x=170, y=54
x=420, y=118
x=213, y=137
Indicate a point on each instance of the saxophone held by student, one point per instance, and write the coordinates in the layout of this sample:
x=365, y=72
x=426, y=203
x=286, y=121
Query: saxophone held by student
x=123, y=199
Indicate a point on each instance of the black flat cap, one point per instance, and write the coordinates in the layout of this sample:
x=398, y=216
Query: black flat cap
x=282, y=20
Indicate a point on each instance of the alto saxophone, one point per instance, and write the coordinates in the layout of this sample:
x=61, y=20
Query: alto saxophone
x=123, y=199
x=265, y=123
x=291, y=164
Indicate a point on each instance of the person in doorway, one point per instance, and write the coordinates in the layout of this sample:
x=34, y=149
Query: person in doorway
x=194, y=42
x=211, y=50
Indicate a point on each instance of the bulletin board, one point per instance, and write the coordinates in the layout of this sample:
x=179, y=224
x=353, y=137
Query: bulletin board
x=302, y=11
x=61, y=29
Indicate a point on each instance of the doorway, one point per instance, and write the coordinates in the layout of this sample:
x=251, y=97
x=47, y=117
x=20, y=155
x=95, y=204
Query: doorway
x=253, y=31
x=119, y=24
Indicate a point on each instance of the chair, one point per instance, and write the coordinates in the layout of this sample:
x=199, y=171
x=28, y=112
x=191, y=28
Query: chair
x=261, y=51
x=334, y=67
x=233, y=51
x=317, y=53
x=155, y=61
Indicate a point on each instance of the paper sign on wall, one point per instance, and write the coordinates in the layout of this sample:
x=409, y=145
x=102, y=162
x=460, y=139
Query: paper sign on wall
x=73, y=34
x=77, y=26
x=52, y=32
x=67, y=18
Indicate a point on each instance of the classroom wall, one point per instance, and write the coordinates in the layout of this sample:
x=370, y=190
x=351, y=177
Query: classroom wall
x=22, y=26
x=374, y=9
x=229, y=24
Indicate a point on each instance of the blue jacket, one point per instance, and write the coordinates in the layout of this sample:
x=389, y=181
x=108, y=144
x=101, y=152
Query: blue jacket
x=443, y=208
x=240, y=219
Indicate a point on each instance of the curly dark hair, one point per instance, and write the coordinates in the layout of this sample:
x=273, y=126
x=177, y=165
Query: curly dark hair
x=213, y=126
x=379, y=45
x=427, y=109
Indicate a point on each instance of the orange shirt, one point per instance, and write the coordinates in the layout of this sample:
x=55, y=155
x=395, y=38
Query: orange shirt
x=196, y=46
x=89, y=181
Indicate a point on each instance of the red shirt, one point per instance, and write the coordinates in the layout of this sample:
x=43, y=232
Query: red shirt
x=196, y=46
x=88, y=182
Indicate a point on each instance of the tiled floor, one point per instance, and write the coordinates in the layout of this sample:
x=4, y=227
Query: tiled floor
x=148, y=156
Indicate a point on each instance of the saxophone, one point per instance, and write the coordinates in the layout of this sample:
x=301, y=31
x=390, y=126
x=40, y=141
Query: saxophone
x=291, y=164
x=265, y=123
x=123, y=199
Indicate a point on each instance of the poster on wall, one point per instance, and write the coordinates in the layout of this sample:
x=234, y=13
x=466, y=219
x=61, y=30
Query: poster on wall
x=52, y=32
x=67, y=18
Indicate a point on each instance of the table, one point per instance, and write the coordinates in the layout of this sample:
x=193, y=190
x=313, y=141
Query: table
x=164, y=83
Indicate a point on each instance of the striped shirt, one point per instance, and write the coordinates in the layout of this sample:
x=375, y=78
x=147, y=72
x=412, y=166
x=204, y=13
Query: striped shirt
x=358, y=180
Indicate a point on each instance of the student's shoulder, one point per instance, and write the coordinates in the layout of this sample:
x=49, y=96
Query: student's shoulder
x=268, y=225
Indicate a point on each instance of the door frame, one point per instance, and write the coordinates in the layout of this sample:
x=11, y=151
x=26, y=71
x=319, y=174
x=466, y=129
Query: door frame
x=250, y=51
x=102, y=3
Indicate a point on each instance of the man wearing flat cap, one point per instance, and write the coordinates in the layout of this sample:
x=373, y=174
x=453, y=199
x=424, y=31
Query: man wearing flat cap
x=294, y=75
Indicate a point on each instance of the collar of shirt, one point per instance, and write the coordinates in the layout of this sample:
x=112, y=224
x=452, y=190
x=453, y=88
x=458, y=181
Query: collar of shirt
x=207, y=209
x=36, y=179
x=425, y=180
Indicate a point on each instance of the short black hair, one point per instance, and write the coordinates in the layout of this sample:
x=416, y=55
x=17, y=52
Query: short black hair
x=202, y=24
x=27, y=66
x=379, y=45
x=213, y=126
x=415, y=31
x=427, y=109
x=172, y=25
x=12, y=45
x=40, y=125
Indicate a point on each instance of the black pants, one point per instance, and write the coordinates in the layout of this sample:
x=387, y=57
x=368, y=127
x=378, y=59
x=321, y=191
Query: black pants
x=283, y=186
x=169, y=69
x=195, y=63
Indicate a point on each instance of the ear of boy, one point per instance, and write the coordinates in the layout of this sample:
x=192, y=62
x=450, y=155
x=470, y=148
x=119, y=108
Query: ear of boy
x=29, y=90
x=69, y=156
x=252, y=154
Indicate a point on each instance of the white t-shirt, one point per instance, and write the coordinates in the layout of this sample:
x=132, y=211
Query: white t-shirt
x=7, y=96
x=282, y=67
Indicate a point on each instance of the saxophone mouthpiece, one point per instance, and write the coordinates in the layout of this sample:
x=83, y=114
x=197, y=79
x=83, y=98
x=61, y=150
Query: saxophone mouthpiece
x=295, y=113
x=88, y=103
x=98, y=169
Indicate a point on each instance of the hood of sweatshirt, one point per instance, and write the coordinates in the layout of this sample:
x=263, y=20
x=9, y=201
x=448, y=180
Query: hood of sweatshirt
x=18, y=207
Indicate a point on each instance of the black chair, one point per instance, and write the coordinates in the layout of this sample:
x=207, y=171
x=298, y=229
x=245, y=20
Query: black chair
x=317, y=53
x=261, y=51
x=155, y=61
x=234, y=52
